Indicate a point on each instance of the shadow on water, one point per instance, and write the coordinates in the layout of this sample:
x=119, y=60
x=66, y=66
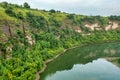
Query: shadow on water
x=82, y=55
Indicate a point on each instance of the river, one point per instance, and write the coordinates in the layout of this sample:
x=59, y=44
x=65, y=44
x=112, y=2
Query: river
x=86, y=63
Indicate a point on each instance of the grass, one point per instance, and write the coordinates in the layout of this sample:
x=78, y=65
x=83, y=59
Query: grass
x=4, y=16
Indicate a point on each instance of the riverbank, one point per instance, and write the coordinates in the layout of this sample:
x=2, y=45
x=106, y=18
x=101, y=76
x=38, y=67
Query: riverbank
x=49, y=60
x=45, y=65
x=114, y=60
x=59, y=54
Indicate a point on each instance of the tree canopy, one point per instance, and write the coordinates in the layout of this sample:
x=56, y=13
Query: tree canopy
x=26, y=5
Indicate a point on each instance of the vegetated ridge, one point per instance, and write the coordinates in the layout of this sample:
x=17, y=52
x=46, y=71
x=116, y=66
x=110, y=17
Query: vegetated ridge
x=28, y=37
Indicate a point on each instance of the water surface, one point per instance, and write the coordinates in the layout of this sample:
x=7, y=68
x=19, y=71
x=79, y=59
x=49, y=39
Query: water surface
x=85, y=63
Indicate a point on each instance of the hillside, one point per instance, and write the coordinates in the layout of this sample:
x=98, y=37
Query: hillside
x=28, y=37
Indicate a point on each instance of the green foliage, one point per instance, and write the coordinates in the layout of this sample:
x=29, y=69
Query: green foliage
x=4, y=4
x=50, y=35
x=70, y=16
x=54, y=21
x=20, y=16
x=52, y=11
x=119, y=60
x=10, y=12
x=90, y=19
x=26, y=5
x=114, y=18
x=102, y=20
x=36, y=21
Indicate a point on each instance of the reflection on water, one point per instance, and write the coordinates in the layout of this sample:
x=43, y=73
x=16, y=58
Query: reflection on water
x=84, y=64
x=97, y=70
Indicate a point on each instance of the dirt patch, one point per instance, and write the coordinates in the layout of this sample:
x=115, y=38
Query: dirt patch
x=5, y=29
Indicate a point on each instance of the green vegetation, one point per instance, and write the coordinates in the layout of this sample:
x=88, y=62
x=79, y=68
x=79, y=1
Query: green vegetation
x=114, y=18
x=10, y=12
x=28, y=37
x=26, y=5
x=118, y=60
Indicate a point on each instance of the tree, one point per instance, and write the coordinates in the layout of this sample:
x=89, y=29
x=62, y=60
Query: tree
x=52, y=11
x=4, y=4
x=26, y=5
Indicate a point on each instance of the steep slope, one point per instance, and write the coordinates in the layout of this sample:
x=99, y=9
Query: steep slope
x=28, y=37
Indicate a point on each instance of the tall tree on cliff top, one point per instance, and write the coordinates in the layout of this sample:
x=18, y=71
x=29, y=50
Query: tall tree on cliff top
x=26, y=5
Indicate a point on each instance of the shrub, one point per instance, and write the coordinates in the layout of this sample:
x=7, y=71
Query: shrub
x=20, y=16
x=118, y=60
x=10, y=12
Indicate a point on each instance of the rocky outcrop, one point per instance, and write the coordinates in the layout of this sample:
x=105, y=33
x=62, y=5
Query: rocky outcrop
x=110, y=26
x=115, y=25
x=30, y=40
x=92, y=26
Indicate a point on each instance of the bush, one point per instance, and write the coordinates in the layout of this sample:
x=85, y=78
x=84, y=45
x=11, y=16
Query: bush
x=36, y=21
x=20, y=16
x=70, y=16
x=102, y=20
x=10, y=12
x=118, y=60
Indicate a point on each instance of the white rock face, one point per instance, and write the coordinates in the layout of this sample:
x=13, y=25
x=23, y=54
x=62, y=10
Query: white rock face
x=30, y=40
x=79, y=31
x=115, y=25
x=9, y=49
x=108, y=27
x=96, y=26
x=93, y=26
x=86, y=34
x=8, y=56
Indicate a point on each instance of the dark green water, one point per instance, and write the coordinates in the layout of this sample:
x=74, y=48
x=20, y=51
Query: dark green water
x=85, y=63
